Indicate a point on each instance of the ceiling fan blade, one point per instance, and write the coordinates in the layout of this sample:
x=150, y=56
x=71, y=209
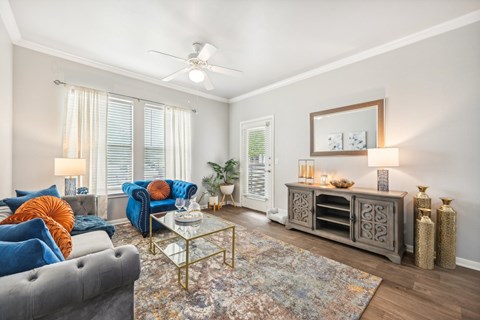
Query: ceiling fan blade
x=168, y=55
x=206, y=52
x=176, y=74
x=227, y=71
x=207, y=83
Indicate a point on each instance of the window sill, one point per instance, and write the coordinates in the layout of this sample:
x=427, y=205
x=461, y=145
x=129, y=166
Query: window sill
x=117, y=195
x=255, y=197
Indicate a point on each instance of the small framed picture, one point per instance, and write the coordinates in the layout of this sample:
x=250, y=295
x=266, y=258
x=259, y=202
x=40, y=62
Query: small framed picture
x=335, y=141
x=357, y=140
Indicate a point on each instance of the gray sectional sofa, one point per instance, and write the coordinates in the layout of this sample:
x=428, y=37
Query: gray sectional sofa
x=95, y=282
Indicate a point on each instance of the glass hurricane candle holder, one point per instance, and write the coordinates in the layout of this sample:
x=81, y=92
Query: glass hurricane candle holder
x=306, y=171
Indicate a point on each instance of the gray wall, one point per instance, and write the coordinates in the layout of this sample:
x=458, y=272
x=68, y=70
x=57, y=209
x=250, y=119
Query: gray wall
x=432, y=114
x=38, y=118
x=6, y=79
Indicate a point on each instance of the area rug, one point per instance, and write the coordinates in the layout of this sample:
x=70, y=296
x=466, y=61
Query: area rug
x=271, y=280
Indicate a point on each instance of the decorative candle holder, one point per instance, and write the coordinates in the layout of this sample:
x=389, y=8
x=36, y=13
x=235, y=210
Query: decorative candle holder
x=306, y=171
x=446, y=235
x=324, y=180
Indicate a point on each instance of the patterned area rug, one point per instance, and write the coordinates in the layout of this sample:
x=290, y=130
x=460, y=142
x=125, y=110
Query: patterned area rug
x=271, y=280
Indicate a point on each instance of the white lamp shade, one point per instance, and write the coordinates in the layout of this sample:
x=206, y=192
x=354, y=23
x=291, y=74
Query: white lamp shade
x=383, y=157
x=70, y=167
x=196, y=75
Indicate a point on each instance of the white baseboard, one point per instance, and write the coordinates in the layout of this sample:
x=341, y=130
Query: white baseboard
x=118, y=221
x=470, y=264
x=237, y=204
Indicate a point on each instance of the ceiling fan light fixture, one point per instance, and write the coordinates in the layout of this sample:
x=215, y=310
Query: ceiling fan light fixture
x=196, y=75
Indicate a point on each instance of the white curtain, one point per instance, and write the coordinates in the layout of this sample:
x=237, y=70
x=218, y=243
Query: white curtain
x=85, y=136
x=178, y=144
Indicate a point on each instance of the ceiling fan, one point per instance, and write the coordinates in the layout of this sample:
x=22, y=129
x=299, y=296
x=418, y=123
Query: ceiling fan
x=197, y=64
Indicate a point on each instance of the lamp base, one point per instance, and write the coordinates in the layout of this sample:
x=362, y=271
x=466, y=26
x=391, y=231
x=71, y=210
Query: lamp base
x=70, y=186
x=382, y=180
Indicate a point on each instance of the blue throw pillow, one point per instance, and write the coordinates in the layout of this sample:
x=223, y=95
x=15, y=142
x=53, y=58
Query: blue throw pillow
x=15, y=203
x=32, y=229
x=50, y=191
x=25, y=255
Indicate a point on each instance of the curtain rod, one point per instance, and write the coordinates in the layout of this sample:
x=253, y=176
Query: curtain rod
x=58, y=82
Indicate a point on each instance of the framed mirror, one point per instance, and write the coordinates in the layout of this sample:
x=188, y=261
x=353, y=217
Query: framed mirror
x=349, y=130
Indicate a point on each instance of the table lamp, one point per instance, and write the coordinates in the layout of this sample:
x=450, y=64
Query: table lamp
x=70, y=168
x=383, y=157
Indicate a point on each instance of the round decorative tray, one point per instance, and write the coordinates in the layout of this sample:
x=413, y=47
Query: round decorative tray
x=342, y=183
x=188, y=217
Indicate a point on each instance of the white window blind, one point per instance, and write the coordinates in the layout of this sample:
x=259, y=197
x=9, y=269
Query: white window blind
x=119, y=142
x=258, y=149
x=154, y=142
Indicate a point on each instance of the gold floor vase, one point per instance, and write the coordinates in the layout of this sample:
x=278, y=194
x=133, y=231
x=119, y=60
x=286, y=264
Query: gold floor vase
x=425, y=245
x=421, y=200
x=446, y=235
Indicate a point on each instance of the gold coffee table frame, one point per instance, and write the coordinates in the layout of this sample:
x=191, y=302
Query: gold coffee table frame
x=179, y=248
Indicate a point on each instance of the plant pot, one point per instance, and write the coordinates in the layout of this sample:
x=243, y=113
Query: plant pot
x=227, y=189
x=213, y=200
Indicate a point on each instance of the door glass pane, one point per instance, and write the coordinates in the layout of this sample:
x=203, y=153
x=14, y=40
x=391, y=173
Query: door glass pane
x=256, y=139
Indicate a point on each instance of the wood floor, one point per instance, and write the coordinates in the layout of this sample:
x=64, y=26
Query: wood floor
x=406, y=292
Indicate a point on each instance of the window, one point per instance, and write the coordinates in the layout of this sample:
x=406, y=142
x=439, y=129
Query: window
x=119, y=142
x=154, y=142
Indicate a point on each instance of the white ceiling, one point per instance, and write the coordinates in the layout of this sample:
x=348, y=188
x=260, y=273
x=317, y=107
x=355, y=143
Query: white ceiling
x=270, y=40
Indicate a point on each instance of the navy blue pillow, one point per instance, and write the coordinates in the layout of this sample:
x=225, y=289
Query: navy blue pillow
x=15, y=203
x=50, y=191
x=32, y=229
x=25, y=255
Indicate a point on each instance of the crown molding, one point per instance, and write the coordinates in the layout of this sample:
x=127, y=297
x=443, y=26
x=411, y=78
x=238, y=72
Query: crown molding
x=8, y=18
x=106, y=67
x=9, y=21
x=384, y=48
x=11, y=26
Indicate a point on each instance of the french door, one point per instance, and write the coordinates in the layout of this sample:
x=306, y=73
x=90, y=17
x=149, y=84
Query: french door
x=256, y=163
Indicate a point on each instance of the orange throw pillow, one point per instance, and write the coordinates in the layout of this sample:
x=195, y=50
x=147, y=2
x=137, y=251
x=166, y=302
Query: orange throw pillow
x=158, y=189
x=50, y=206
x=60, y=235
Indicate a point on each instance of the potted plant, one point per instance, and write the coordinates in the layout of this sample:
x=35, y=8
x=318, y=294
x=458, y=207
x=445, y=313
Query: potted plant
x=228, y=174
x=212, y=185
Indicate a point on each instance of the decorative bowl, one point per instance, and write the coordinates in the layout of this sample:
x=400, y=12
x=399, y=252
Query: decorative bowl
x=342, y=183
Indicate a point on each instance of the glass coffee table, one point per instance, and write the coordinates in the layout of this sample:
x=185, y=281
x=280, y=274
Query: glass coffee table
x=190, y=244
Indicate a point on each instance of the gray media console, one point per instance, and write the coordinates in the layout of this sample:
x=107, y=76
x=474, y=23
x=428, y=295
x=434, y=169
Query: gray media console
x=364, y=218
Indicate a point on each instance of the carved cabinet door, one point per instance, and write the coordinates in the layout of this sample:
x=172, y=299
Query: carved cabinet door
x=300, y=204
x=374, y=222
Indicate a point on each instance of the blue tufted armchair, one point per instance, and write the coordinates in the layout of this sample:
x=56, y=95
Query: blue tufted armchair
x=140, y=206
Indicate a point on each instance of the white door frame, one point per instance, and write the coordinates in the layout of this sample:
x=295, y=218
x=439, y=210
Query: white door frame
x=270, y=118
